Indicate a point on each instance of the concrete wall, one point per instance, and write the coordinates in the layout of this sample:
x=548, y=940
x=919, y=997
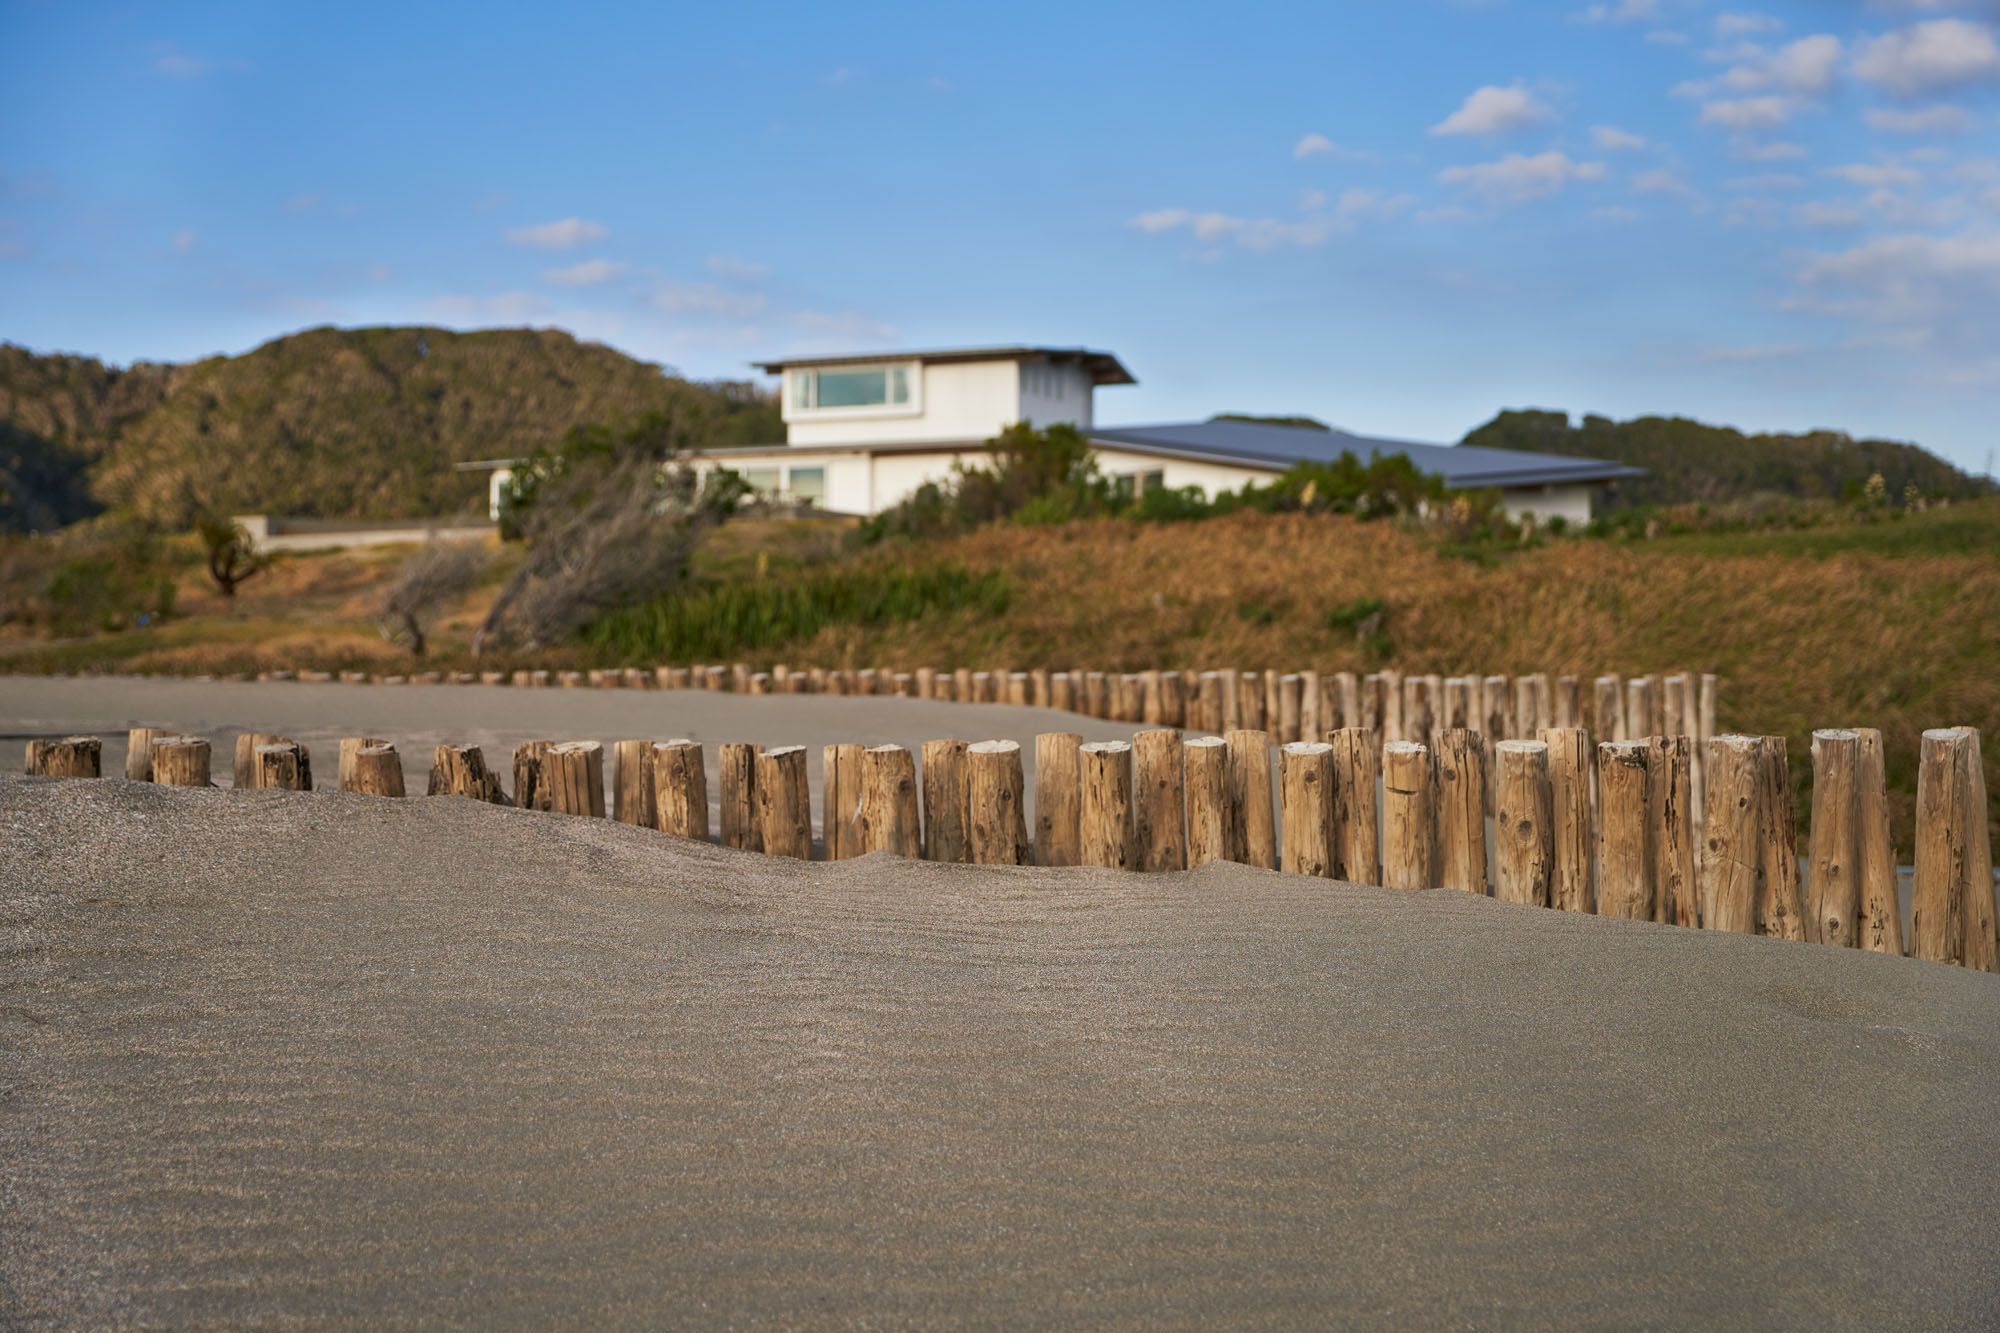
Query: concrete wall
x=274, y=533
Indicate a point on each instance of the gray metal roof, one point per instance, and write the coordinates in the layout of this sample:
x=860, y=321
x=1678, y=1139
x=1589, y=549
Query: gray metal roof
x=1461, y=466
x=1104, y=368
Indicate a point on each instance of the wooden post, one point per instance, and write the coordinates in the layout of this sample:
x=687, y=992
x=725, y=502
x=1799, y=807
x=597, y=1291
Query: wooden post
x=632, y=798
x=1151, y=710
x=378, y=771
x=139, y=752
x=1173, y=699
x=1833, y=893
x=246, y=755
x=1572, y=888
x=1106, y=772
x=1409, y=833
x=1389, y=707
x=888, y=820
x=531, y=787
x=1670, y=761
x=1062, y=692
x=998, y=823
x=1099, y=688
x=1982, y=924
x=1523, y=834
x=1209, y=719
x=1214, y=833
x=460, y=770
x=1458, y=771
x=736, y=771
x=1159, y=840
x=1419, y=716
x=1943, y=852
x=1671, y=704
x=1608, y=708
x=926, y=682
x=962, y=686
x=1230, y=688
x=1642, y=707
x=1625, y=856
x=70, y=757
x=1357, y=844
x=947, y=802
x=1348, y=686
x=1291, y=706
x=574, y=771
x=1250, y=702
x=1273, y=702
x=1306, y=784
x=1731, y=858
x=1058, y=799
x=1311, y=701
x=784, y=803
x=180, y=761
x=1879, y=926
x=350, y=746
x=1568, y=708
x=1250, y=793
x=279, y=767
x=1017, y=688
x=1780, y=910
x=680, y=790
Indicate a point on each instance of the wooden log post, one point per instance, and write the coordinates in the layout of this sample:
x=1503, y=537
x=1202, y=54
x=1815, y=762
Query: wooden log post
x=1523, y=833
x=1209, y=717
x=1348, y=687
x=1250, y=712
x=1419, y=716
x=1833, y=891
x=139, y=752
x=736, y=774
x=632, y=794
x=904, y=685
x=1231, y=700
x=1291, y=709
x=888, y=820
x=1062, y=692
x=460, y=770
x=1879, y=926
x=246, y=755
x=1642, y=706
x=1357, y=839
x=1389, y=707
x=680, y=790
x=1306, y=785
x=998, y=825
x=1568, y=709
x=1214, y=832
x=784, y=803
x=1159, y=811
x=1607, y=712
x=1943, y=851
x=350, y=747
x=1273, y=702
x=1982, y=922
x=1106, y=809
x=1626, y=866
x=1573, y=884
x=1098, y=686
x=1058, y=799
x=1526, y=711
x=70, y=757
x=1731, y=859
x=962, y=687
x=1250, y=792
x=1312, y=700
x=926, y=682
x=1669, y=760
x=1780, y=908
x=574, y=771
x=947, y=801
x=378, y=771
x=279, y=768
x=1672, y=705
x=1017, y=689
x=1173, y=699
x=1409, y=826
x=531, y=788
x=180, y=761
x=1458, y=776
x=1151, y=706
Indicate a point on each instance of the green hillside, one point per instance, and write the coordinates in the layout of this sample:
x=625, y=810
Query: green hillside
x=334, y=423
x=1687, y=462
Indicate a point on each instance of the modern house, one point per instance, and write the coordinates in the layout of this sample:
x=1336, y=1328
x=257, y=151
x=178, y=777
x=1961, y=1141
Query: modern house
x=865, y=431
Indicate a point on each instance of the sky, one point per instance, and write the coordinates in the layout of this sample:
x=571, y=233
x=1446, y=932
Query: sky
x=1396, y=217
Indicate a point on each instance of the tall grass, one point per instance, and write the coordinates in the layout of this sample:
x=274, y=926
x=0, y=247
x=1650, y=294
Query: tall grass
x=746, y=618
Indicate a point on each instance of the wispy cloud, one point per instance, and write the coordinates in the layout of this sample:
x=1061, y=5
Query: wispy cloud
x=1517, y=178
x=1611, y=139
x=728, y=266
x=704, y=298
x=586, y=274
x=1929, y=58
x=1495, y=110
x=1751, y=353
x=1940, y=119
x=566, y=234
x=185, y=241
x=1318, y=145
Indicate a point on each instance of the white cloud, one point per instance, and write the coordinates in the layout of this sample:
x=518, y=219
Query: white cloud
x=1667, y=37
x=1828, y=216
x=1358, y=203
x=1516, y=178
x=564, y=235
x=1615, y=213
x=1875, y=173
x=1494, y=110
x=844, y=329
x=1940, y=119
x=1933, y=293
x=1749, y=150
x=184, y=241
x=729, y=266
x=1315, y=145
x=1625, y=11
x=1660, y=180
x=1747, y=113
x=1612, y=139
x=1766, y=180
x=502, y=307
x=1930, y=57
x=1315, y=227
x=1729, y=25
x=1751, y=353
x=704, y=298
x=586, y=274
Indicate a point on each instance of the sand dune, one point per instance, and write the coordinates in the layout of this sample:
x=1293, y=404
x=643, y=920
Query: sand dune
x=272, y=1056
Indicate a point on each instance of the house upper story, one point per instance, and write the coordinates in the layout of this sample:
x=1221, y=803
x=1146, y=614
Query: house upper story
x=952, y=394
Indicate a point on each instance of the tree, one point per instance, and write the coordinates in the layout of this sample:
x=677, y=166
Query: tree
x=232, y=553
x=439, y=573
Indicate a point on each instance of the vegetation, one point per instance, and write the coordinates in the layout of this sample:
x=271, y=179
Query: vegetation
x=232, y=556
x=332, y=423
x=438, y=574
x=1687, y=462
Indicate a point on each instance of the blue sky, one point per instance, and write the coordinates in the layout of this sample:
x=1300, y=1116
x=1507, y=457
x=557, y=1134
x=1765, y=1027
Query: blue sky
x=1397, y=217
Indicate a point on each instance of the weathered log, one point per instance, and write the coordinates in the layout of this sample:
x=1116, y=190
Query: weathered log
x=632, y=797
x=1670, y=761
x=736, y=773
x=1305, y=785
x=279, y=767
x=1982, y=923
x=1833, y=892
x=1159, y=838
x=1291, y=706
x=1731, y=840
x=1173, y=699
x=350, y=746
x=460, y=770
x=1943, y=851
x=1780, y=909
x=1573, y=885
x=1523, y=831
x=1058, y=799
x=1458, y=774
x=784, y=803
x=1209, y=718
x=1626, y=867
x=997, y=791
x=947, y=802
x=1879, y=926
x=531, y=787
x=180, y=761
x=1214, y=833
x=378, y=771
x=1251, y=714
x=1608, y=708
x=139, y=752
x=246, y=755
x=574, y=771
x=680, y=790
x=1250, y=792
x=1409, y=830
x=888, y=820
x=1106, y=808
x=69, y=757
x=1357, y=846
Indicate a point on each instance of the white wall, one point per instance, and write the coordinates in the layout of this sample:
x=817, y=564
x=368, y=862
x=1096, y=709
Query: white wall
x=1571, y=503
x=959, y=400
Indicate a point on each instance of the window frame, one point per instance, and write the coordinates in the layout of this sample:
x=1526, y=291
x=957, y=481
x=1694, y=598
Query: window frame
x=913, y=377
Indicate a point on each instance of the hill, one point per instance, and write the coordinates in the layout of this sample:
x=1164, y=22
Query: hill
x=1688, y=462
x=333, y=423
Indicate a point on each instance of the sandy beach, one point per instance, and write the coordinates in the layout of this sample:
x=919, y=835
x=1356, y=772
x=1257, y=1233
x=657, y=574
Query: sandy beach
x=274, y=1057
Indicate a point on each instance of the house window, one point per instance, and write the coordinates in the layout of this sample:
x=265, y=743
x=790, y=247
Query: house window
x=808, y=483
x=763, y=480
x=851, y=387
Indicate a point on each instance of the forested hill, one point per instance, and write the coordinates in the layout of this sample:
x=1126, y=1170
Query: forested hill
x=1687, y=461
x=337, y=423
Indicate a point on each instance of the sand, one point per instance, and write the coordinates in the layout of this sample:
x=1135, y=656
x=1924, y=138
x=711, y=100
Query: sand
x=270, y=1057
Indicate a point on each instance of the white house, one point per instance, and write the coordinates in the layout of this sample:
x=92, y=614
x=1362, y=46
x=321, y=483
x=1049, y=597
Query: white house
x=865, y=431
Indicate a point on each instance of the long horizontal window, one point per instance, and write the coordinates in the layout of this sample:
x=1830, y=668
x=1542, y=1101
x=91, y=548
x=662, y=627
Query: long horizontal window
x=851, y=387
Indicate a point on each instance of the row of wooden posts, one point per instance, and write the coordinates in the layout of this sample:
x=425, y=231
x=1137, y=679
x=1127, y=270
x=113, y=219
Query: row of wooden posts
x=1609, y=830
x=1293, y=705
